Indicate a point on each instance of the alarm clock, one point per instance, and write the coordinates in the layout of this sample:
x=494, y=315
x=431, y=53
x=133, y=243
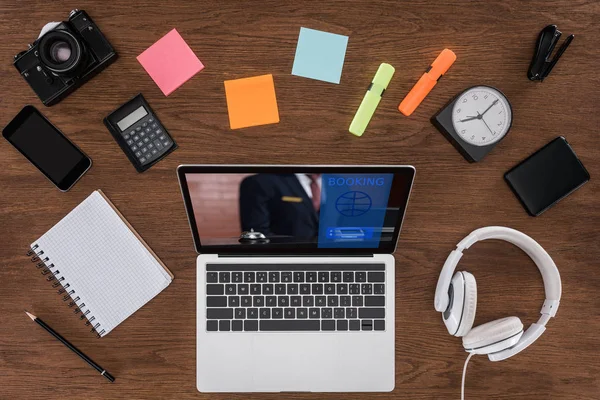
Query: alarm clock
x=475, y=121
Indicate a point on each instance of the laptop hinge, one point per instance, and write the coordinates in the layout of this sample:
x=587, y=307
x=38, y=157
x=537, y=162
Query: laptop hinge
x=292, y=255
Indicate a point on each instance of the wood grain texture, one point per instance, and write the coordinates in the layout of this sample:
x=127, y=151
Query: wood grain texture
x=152, y=354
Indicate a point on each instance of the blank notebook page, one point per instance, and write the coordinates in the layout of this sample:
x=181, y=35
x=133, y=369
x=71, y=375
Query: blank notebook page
x=109, y=269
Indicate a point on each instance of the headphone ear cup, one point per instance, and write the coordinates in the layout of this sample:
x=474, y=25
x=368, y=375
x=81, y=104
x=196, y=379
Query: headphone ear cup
x=494, y=336
x=460, y=314
x=469, y=305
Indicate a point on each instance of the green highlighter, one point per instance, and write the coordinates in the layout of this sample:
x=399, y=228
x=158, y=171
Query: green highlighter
x=372, y=98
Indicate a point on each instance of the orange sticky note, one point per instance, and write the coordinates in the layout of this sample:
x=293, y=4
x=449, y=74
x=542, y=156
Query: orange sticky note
x=251, y=101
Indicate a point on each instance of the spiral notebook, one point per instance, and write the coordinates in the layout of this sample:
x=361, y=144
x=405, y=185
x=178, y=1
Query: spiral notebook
x=99, y=264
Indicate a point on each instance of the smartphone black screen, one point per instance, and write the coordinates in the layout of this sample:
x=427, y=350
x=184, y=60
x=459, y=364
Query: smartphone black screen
x=46, y=147
x=547, y=176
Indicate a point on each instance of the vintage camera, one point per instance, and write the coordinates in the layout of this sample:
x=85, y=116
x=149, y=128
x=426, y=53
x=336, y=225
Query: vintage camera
x=64, y=56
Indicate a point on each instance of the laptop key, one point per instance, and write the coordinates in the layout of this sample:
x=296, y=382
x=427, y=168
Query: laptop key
x=342, y=325
x=278, y=313
x=302, y=313
x=236, y=277
x=308, y=301
x=289, y=313
x=230, y=288
x=296, y=301
x=212, y=326
x=261, y=277
x=311, y=276
x=246, y=301
x=374, y=301
x=267, y=288
x=357, y=301
x=290, y=325
x=258, y=301
x=240, y=313
x=292, y=288
x=255, y=288
x=348, y=276
x=314, y=313
x=338, y=313
x=345, y=301
x=217, y=289
x=317, y=288
x=237, y=325
x=324, y=276
x=224, y=326
x=354, y=288
x=366, y=288
x=274, y=277
x=351, y=313
x=249, y=277
x=328, y=325
x=265, y=313
x=286, y=277
x=271, y=301
x=321, y=301
x=219, y=313
x=354, y=325
x=360, y=277
x=342, y=288
x=216, y=301
x=234, y=301
x=326, y=313
x=243, y=289
x=251, y=325
x=299, y=277
x=336, y=276
x=212, y=277
x=252, y=313
x=371, y=313
x=376, y=276
x=224, y=277
x=330, y=288
x=305, y=288
x=280, y=289
x=379, y=325
x=332, y=301
x=367, y=325
x=283, y=301
x=379, y=288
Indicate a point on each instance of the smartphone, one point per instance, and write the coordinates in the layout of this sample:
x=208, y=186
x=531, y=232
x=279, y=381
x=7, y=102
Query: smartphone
x=547, y=176
x=47, y=148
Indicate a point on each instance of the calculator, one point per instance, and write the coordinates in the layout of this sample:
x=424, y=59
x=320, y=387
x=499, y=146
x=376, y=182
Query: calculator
x=140, y=134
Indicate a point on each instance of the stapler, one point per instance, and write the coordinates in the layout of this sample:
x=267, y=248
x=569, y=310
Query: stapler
x=541, y=65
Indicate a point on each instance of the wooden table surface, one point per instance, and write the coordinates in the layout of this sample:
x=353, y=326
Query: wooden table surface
x=152, y=354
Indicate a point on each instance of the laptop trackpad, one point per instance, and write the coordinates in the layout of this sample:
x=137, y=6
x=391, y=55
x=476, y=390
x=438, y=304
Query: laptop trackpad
x=317, y=362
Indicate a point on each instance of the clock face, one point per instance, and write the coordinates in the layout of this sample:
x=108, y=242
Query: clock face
x=481, y=116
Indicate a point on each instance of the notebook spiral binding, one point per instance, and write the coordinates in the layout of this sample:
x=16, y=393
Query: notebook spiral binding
x=52, y=273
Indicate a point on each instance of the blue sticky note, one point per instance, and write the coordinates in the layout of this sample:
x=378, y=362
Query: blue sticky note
x=320, y=55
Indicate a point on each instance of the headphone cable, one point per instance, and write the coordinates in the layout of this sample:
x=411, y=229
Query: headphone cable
x=464, y=375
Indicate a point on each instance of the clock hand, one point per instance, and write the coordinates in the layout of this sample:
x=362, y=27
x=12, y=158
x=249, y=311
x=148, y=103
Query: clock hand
x=468, y=119
x=487, y=109
x=481, y=115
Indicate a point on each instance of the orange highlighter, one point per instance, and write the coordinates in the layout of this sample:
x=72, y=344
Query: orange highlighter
x=422, y=88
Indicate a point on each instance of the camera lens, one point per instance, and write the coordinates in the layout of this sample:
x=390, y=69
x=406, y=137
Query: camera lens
x=60, y=52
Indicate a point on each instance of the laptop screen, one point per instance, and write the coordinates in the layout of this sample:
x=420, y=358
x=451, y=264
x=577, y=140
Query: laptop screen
x=295, y=209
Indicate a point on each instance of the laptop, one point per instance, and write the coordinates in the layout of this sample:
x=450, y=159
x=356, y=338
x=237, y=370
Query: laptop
x=295, y=275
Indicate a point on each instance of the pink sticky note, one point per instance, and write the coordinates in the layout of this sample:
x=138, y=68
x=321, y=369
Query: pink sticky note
x=170, y=62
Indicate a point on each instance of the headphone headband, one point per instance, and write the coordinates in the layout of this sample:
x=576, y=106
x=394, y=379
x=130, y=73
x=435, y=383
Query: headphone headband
x=548, y=270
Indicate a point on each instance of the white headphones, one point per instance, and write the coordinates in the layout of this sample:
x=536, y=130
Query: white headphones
x=456, y=299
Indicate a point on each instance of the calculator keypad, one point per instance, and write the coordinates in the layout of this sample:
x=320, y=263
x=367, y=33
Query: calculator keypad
x=147, y=139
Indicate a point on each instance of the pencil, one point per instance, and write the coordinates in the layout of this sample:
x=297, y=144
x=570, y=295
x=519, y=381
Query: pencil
x=74, y=349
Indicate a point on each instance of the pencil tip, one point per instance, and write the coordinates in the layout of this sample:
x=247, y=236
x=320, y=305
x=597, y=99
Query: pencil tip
x=33, y=317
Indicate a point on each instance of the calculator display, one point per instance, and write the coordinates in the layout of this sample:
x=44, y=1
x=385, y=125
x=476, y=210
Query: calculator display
x=132, y=118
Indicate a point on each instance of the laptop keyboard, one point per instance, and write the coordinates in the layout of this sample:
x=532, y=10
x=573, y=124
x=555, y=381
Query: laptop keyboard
x=295, y=297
